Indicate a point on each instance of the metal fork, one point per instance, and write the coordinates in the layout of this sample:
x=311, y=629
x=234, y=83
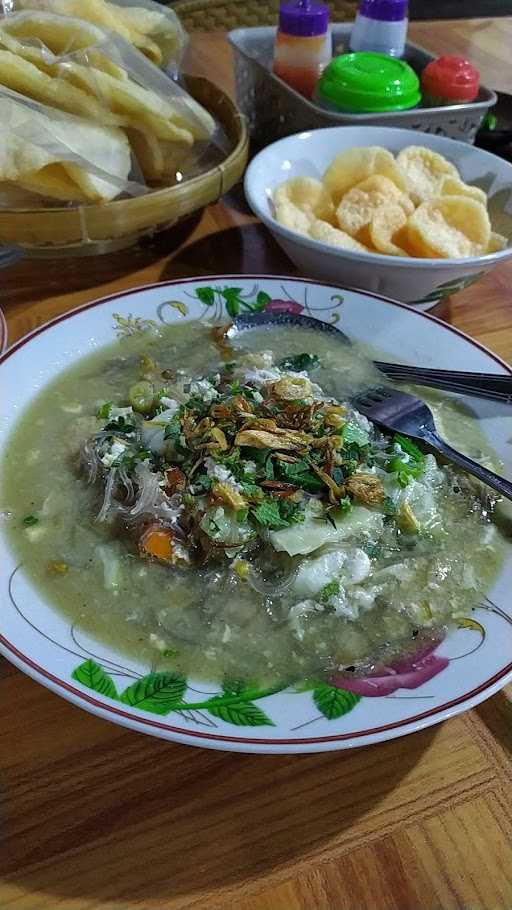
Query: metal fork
x=406, y=414
x=493, y=386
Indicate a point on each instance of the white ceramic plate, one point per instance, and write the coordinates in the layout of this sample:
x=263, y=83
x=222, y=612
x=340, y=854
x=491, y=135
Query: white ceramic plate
x=469, y=666
x=3, y=332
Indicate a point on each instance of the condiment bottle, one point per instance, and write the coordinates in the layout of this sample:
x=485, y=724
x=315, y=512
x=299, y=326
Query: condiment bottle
x=380, y=26
x=449, y=80
x=368, y=83
x=303, y=44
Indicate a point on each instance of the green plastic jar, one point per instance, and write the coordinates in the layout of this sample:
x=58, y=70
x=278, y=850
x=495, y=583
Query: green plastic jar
x=366, y=82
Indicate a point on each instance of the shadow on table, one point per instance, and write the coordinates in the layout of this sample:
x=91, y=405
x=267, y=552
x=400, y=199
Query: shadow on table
x=140, y=822
x=496, y=713
x=244, y=249
x=247, y=249
x=30, y=280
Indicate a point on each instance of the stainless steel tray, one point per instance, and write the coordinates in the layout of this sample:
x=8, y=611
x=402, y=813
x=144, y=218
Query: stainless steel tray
x=275, y=110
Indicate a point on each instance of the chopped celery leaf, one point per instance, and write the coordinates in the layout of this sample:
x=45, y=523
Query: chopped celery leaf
x=268, y=515
x=300, y=362
x=354, y=435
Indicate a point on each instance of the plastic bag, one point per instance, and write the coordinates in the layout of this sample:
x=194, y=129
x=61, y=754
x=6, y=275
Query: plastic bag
x=155, y=30
x=164, y=28
x=55, y=68
x=42, y=152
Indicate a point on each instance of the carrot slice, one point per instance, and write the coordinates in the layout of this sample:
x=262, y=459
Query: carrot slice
x=158, y=542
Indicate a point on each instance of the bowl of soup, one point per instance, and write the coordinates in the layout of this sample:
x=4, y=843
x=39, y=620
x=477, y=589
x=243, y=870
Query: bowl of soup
x=198, y=523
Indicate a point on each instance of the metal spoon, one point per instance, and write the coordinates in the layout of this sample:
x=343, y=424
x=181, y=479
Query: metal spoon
x=481, y=385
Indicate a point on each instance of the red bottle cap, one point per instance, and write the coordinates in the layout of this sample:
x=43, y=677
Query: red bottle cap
x=452, y=78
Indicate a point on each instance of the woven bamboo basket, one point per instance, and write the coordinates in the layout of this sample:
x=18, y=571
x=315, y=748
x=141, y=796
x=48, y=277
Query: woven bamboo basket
x=224, y=15
x=93, y=229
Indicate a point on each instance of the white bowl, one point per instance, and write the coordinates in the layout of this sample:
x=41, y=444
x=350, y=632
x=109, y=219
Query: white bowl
x=416, y=281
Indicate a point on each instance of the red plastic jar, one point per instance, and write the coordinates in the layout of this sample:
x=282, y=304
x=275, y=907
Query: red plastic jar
x=449, y=80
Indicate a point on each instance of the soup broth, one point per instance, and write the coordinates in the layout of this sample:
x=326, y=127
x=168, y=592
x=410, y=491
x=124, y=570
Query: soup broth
x=388, y=575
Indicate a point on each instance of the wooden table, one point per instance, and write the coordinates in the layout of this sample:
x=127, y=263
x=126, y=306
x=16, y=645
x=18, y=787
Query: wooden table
x=486, y=42
x=98, y=818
